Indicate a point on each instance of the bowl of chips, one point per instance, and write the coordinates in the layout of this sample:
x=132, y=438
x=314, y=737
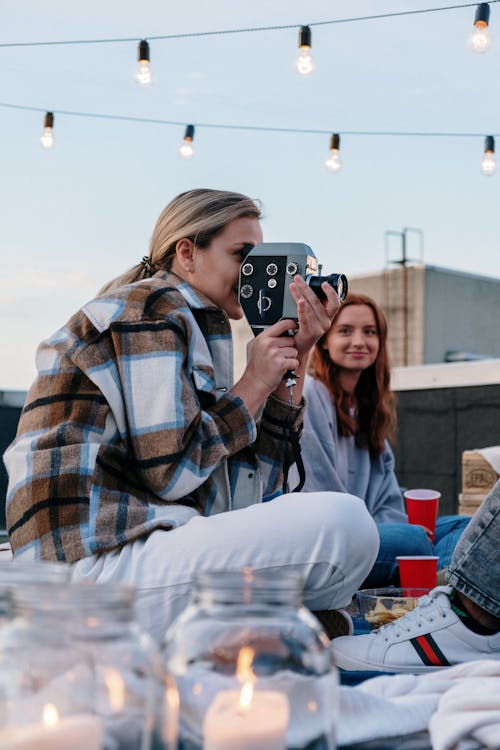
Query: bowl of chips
x=380, y=606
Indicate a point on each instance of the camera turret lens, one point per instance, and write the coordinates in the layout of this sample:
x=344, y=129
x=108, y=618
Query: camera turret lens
x=246, y=291
x=247, y=269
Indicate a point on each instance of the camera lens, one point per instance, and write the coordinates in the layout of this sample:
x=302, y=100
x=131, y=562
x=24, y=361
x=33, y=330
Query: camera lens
x=337, y=280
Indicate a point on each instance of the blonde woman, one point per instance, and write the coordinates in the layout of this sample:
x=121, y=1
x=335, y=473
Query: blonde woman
x=137, y=458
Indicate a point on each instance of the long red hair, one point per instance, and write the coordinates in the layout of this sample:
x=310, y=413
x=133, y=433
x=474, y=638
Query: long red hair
x=376, y=410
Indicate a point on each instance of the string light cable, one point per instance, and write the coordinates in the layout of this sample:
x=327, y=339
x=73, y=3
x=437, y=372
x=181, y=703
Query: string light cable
x=249, y=29
x=186, y=149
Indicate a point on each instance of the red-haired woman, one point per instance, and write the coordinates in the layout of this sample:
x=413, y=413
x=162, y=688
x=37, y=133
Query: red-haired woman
x=349, y=416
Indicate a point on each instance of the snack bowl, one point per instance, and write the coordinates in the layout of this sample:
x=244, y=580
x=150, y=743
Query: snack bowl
x=380, y=606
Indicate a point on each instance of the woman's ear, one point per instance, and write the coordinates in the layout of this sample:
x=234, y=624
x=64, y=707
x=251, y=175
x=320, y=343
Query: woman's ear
x=184, y=251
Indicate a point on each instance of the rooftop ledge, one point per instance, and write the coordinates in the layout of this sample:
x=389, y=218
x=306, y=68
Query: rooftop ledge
x=446, y=375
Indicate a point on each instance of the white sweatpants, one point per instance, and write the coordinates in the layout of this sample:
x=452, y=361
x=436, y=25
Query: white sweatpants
x=329, y=537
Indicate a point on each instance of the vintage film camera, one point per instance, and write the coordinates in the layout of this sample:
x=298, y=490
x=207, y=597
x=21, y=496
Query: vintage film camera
x=265, y=275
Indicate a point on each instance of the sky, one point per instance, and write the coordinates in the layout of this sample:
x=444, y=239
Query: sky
x=79, y=214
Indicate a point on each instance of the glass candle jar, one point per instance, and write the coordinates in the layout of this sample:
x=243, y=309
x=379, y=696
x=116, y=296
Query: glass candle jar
x=76, y=672
x=253, y=667
x=14, y=574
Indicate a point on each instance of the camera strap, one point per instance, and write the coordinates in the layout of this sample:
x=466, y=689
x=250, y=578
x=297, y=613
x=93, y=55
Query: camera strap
x=291, y=439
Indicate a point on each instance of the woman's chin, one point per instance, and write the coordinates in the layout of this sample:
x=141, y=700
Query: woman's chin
x=235, y=312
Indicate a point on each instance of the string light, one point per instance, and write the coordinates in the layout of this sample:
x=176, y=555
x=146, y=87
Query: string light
x=47, y=139
x=304, y=63
x=143, y=75
x=480, y=37
x=488, y=165
x=333, y=163
x=186, y=149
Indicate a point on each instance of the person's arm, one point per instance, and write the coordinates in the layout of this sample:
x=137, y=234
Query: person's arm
x=319, y=440
x=176, y=441
x=386, y=501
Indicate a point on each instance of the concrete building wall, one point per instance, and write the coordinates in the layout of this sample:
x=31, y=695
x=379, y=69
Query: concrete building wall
x=462, y=313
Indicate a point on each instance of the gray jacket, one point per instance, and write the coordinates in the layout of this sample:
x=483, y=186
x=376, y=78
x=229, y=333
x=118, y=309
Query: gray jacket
x=336, y=463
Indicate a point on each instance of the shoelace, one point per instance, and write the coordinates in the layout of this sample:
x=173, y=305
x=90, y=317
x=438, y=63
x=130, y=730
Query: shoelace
x=416, y=617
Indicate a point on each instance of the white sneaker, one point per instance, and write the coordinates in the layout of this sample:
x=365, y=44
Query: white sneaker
x=429, y=637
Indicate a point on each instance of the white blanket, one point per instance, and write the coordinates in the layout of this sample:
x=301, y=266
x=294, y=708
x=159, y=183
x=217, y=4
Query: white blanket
x=460, y=705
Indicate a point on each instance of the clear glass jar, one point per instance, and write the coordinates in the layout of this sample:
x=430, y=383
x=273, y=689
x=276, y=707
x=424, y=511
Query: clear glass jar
x=77, y=673
x=253, y=667
x=14, y=573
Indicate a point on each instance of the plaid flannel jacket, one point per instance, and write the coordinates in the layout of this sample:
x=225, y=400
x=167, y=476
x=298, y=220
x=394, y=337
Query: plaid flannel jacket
x=130, y=426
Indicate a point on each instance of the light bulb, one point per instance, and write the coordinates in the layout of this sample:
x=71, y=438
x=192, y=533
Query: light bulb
x=479, y=39
x=333, y=163
x=47, y=139
x=143, y=75
x=186, y=149
x=488, y=165
x=304, y=63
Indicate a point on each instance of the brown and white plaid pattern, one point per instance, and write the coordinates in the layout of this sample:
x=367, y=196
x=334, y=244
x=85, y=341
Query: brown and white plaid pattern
x=130, y=426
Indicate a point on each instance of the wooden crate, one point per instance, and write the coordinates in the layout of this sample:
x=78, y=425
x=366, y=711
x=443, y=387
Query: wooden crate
x=478, y=476
x=469, y=503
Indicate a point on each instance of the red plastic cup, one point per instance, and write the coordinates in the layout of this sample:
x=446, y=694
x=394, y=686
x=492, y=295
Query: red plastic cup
x=417, y=572
x=422, y=509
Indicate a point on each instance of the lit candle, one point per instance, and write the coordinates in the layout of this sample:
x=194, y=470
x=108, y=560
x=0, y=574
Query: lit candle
x=79, y=732
x=261, y=727
x=244, y=719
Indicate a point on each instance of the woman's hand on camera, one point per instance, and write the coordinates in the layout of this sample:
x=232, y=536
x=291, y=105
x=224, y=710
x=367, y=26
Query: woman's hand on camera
x=270, y=355
x=314, y=316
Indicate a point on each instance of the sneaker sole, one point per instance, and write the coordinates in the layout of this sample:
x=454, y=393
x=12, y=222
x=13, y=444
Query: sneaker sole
x=351, y=664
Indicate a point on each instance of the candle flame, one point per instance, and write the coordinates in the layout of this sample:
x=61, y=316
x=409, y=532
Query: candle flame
x=246, y=675
x=50, y=715
x=244, y=670
x=116, y=688
x=246, y=696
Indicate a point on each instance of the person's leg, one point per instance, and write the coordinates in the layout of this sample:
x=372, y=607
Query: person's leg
x=475, y=562
x=395, y=539
x=449, y=529
x=455, y=623
x=328, y=537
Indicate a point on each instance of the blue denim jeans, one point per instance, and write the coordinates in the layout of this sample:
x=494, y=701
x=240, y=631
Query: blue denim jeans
x=409, y=539
x=474, y=569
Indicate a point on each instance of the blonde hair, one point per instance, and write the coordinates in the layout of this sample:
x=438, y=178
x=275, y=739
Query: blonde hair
x=198, y=215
